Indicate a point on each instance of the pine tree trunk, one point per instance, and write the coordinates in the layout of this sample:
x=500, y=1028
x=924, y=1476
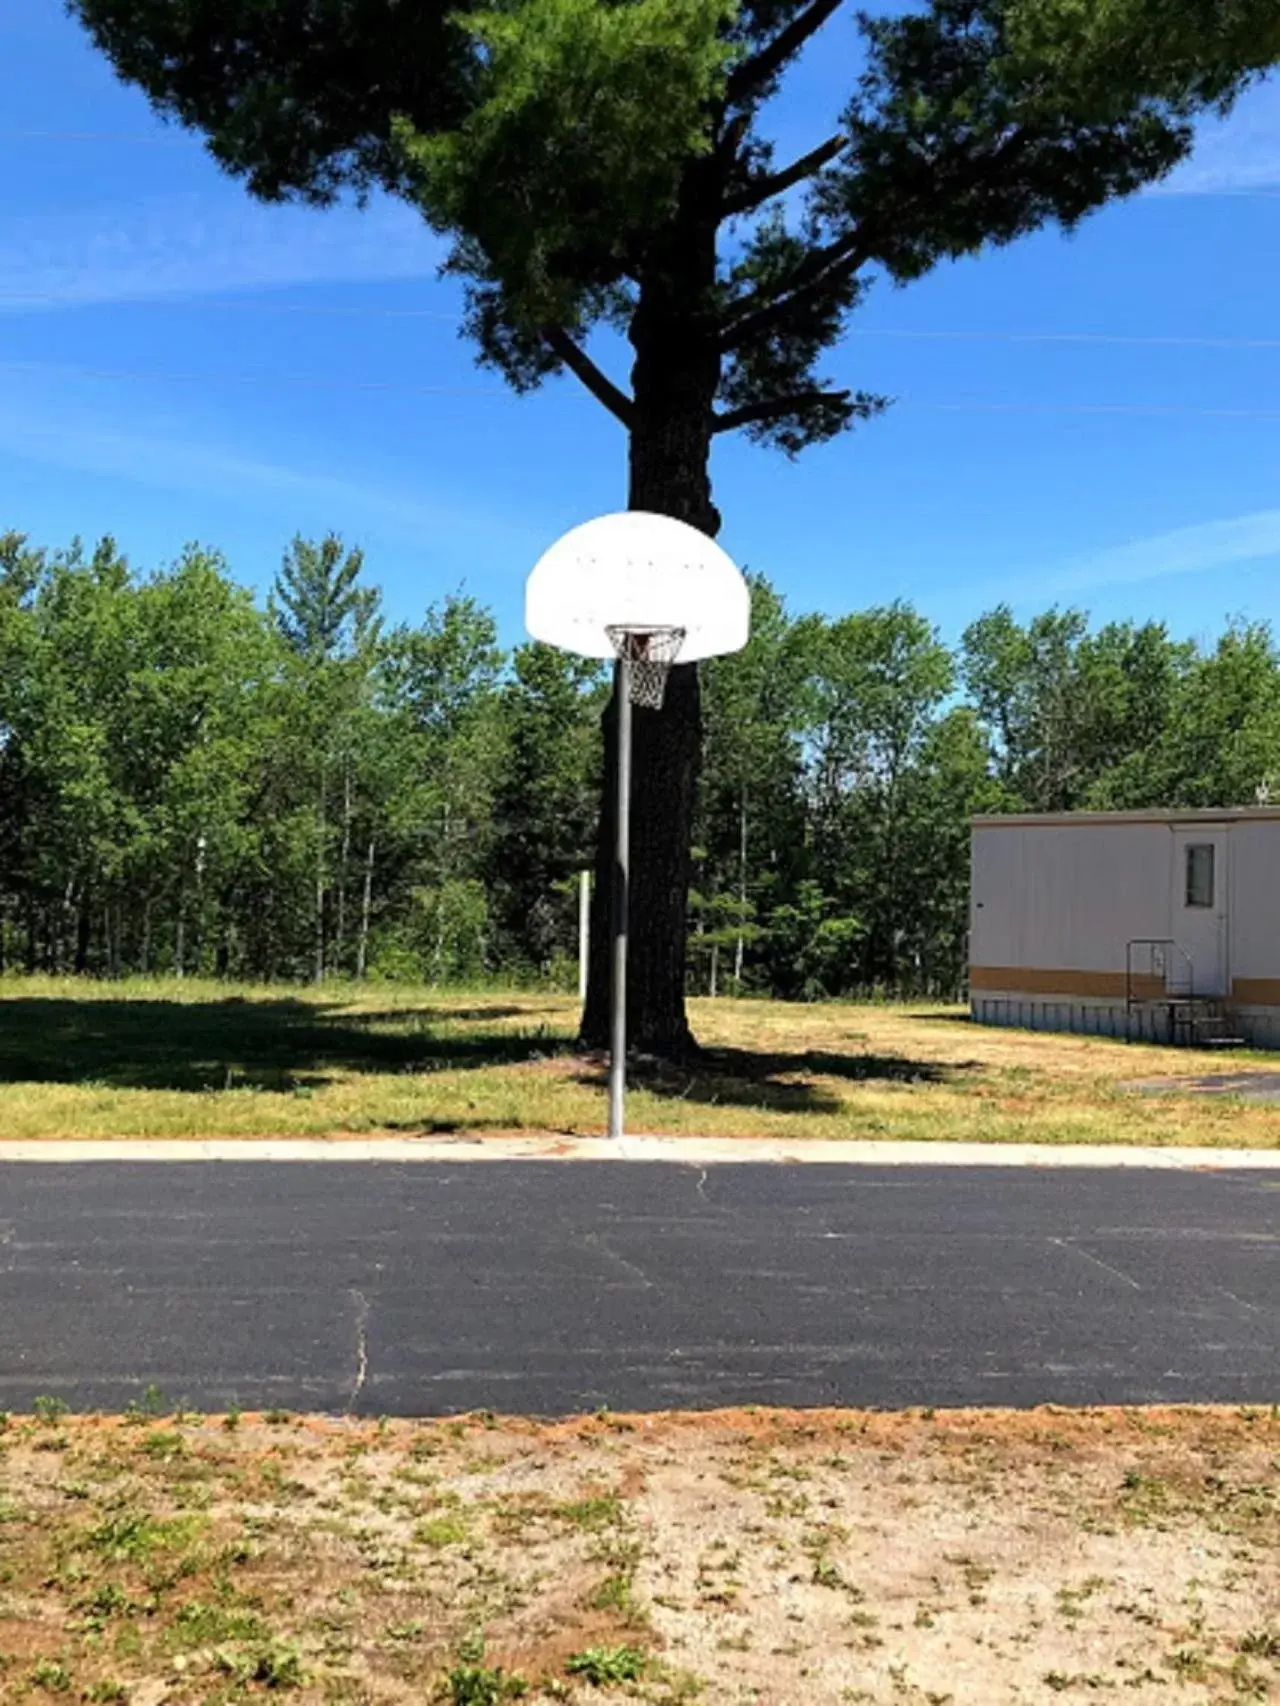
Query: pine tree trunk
x=84, y=936
x=321, y=830
x=362, y=949
x=742, y=892
x=65, y=926
x=340, y=942
x=674, y=380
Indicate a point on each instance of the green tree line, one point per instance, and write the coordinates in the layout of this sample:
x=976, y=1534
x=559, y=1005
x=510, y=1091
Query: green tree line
x=194, y=782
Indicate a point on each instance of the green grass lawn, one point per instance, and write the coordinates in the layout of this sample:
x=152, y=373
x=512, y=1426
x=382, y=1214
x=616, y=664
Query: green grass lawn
x=169, y=1059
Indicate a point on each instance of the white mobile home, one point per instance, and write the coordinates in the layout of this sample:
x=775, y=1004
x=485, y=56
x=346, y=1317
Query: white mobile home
x=1156, y=924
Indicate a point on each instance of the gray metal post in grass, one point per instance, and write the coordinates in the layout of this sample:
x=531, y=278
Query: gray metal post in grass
x=584, y=931
x=621, y=901
x=645, y=590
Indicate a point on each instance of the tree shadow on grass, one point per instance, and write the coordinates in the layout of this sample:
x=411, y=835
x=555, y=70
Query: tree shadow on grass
x=444, y=1013
x=282, y=1045
x=783, y=1083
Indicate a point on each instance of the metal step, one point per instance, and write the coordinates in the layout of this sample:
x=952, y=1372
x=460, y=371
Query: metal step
x=1202, y=1022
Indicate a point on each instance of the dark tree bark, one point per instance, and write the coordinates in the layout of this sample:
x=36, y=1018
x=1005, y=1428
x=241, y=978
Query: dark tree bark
x=674, y=380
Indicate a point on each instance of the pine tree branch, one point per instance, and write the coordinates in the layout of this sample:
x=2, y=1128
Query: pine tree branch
x=759, y=190
x=822, y=272
x=776, y=408
x=756, y=71
x=580, y=364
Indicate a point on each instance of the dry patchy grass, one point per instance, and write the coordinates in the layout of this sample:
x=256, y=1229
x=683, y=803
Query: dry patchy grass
x=202, y=1060
x=971, y=1558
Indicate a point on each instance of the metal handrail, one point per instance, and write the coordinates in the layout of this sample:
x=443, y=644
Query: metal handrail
x=1169, y=949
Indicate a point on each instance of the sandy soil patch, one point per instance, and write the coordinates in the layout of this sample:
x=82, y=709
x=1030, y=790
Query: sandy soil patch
x=769, y=1557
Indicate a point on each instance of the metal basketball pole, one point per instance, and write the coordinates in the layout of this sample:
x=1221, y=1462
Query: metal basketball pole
x=621, y=880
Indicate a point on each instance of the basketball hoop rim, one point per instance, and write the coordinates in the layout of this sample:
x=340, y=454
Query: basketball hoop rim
x=647, y=666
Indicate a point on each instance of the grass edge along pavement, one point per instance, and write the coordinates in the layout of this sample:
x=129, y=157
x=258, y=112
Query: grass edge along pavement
x=921, y=1557
x=163, y=1059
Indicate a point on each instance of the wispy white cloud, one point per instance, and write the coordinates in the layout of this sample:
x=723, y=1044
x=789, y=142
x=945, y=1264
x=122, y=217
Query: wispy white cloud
x=201, y=245
x=1211, y=546
x=151, y=456
x=1184, y=551
x=1235, y=155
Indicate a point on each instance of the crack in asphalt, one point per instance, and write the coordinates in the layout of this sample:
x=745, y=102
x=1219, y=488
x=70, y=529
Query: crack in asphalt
x=362, y=1348
x=607, y=1249
x=1243, y=1302
x=1088, y=1256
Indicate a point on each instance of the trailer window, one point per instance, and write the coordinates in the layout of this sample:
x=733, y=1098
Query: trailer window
x=1200, y=875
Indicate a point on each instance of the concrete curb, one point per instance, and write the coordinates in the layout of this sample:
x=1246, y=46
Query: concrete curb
x=686, y=1151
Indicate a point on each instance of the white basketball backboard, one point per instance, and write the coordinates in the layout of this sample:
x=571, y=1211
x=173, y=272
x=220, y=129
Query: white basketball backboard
x=636, y=570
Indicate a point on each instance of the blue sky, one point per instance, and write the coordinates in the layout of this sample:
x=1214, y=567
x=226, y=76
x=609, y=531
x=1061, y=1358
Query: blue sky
x=1091, y=419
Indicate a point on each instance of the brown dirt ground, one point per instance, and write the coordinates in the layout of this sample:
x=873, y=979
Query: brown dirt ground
x=974, y=1557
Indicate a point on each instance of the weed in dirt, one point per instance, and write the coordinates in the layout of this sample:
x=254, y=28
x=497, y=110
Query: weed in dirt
x=1260, y=1644
x=604, y=1666
x=478, y=1685
x=134, y=1536
x=110, y=1601
x=412, y=1476
x=198, y=1624
x=601, y=1511
x=231, y=1421
x=442, y=1531
x=147, y=1408
x=619, y=1552
x=678, y=1686
x=1071, y=1602
x=615, y=1593
x=163, y=1444
x=49, y=1410
x=107, y=1692
x=786, y=1505
x=275, y=1664
x=1246, y=1684
x=734, y=1643
x=51, y=1675
x=1187, y=1664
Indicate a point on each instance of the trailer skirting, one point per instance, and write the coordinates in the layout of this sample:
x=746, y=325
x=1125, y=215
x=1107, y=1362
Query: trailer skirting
x=1080, y=1016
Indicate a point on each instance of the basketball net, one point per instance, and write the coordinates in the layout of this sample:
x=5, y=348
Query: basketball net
x=650, y=653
